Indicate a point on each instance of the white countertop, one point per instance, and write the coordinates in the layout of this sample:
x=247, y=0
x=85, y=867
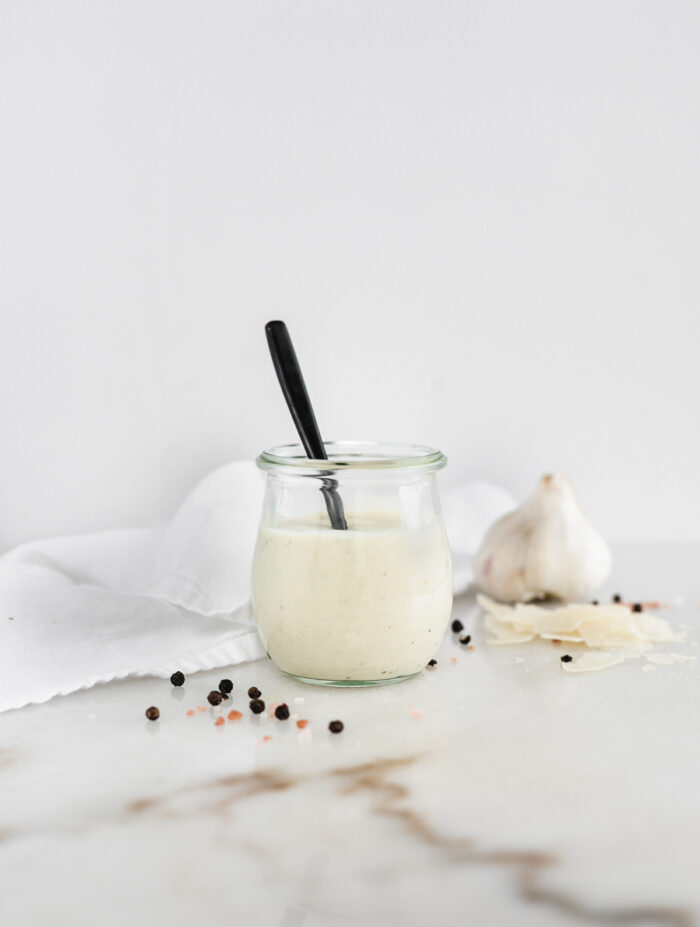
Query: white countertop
x=495, y=790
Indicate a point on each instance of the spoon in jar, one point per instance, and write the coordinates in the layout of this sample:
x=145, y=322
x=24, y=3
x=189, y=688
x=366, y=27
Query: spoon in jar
x=292, y=382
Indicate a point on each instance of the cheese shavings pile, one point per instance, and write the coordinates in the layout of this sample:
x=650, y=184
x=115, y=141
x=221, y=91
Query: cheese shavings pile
x=613, y=632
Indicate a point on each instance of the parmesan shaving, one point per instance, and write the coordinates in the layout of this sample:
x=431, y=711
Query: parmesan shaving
x=666, y=659
x=593, y=660
x=505, y=634
x=614, y=632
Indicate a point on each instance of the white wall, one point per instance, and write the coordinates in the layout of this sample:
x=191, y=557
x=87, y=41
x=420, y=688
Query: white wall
x=481, y=221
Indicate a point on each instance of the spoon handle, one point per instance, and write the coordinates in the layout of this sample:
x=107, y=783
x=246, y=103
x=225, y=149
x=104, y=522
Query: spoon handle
x=291, y=380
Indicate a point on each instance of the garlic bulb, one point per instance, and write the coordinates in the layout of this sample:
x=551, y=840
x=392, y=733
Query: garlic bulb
x=546, y=548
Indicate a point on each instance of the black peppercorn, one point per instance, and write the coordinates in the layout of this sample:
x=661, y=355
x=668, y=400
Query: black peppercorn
x=282, y=712
x=637, y=607
x=215, y=698
x=335, y=727
x=257, y=706
x=595, y=602
x=432, y=662
x=152, y=713
x=225, y=686
x=617, y=598
x=177, y=678
x=566, y=658
x=465, y=639
x=457, y=626
x=254, y=692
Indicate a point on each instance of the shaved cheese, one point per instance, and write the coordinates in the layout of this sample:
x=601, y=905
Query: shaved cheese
x=613, y=631
x=656, y=629
x=505, y=634
x=666, y=659
x=593, y=660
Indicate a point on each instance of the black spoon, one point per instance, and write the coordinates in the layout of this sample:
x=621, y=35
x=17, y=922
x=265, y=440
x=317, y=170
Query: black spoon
x=292, y=382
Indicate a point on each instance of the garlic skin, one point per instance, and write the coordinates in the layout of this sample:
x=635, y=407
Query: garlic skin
x=547, y=548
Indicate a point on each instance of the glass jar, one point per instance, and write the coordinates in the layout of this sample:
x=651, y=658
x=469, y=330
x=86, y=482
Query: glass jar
x=352, y=575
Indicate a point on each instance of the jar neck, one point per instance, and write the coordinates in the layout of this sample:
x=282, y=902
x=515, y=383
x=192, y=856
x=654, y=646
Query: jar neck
x=350, y=460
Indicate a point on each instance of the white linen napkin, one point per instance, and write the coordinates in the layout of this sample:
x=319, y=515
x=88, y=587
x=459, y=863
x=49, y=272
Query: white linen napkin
x=95, y=607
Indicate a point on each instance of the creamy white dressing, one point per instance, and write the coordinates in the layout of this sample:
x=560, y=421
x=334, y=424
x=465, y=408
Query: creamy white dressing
x=369, y=603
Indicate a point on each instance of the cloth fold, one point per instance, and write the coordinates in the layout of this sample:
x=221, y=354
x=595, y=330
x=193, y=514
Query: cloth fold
x=91, y=608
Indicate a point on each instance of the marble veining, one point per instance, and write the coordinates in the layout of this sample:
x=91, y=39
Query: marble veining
x=392, y=799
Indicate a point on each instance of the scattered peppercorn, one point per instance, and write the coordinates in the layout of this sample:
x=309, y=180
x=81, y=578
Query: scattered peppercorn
x=177, y=678
x=617, y=598
x=457, y=626
x=595, y=602
x=282, y=712
x=432, y=662
x=567, y=658
x=152, y=713
x=254, y=692
x=225, y=686
x=215, y=698
x=637, y=607
x=335, y=727
x=257, y=706
x=465, y=639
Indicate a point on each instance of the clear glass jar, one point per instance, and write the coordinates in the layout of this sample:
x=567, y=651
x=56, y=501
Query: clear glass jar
x=362, y=606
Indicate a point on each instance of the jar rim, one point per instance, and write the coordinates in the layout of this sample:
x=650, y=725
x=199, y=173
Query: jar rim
x=354, y=455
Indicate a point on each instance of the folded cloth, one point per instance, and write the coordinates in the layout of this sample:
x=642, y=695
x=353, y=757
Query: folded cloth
x=95, y=607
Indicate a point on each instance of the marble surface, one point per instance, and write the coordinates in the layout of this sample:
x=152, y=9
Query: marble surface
x=494, y=789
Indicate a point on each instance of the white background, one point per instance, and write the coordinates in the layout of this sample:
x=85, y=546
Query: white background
x=480, y=221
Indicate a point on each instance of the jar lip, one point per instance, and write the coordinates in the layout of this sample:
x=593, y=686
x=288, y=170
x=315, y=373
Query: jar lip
x=354, y=455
